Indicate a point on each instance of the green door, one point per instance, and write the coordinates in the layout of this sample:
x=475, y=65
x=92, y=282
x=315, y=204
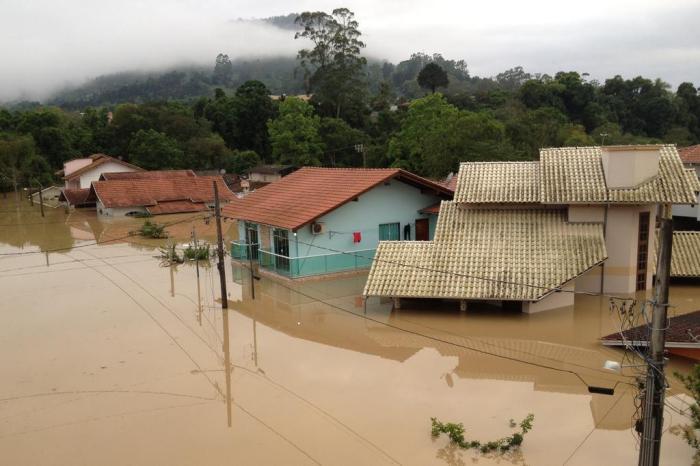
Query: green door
x=389, y=232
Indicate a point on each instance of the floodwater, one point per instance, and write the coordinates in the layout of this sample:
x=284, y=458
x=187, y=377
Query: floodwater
x=107, y=358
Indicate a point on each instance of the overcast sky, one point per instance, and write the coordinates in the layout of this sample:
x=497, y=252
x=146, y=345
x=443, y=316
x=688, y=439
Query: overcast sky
x=46, y=44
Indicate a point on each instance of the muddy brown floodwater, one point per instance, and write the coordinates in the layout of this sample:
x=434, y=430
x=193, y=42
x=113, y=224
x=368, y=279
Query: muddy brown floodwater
x=107, y=358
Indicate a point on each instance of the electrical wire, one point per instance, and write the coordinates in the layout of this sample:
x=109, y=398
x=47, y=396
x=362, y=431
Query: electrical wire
x=547, y=289
x=440, y=340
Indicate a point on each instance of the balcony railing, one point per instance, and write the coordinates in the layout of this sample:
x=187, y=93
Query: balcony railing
x=294, y=267
x=239, y=250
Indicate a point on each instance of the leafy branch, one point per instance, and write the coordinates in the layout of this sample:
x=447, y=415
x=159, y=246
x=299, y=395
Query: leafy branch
x=456, y=434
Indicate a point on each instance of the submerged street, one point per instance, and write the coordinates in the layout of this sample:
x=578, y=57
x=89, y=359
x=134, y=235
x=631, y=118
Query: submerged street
x=108, y=357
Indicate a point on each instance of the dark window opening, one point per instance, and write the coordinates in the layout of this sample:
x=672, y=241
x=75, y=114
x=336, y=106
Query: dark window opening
x=642, y=250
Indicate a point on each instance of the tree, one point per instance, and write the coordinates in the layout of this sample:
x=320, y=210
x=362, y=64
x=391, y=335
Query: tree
x=153, y=150
x=252, y=108
x=333, y=67
x=223, y=70
x=691, y=382
x=432, y=77
x=206, y=153
x=340, y=141
x=19, y=163
x=294, y=134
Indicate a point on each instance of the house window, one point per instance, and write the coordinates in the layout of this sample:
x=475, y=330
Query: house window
x=281, y=242
x=389, y=232
x=642, y=250
x=251, y=237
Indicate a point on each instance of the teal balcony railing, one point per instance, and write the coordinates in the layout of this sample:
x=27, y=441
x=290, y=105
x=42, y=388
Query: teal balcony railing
x=294, y=267
x=239, y=250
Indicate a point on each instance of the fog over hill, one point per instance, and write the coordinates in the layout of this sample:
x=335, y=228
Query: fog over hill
x=49, y=45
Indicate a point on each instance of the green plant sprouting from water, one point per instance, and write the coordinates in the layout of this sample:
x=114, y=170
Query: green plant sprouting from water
x=169, y=255
x=456, y=434
x=152, y=230
x=198, y=253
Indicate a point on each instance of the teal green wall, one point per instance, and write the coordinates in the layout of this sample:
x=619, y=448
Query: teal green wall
x=395, y=202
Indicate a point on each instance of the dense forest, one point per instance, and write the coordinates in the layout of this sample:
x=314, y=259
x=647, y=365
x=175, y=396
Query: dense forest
x=425, y=114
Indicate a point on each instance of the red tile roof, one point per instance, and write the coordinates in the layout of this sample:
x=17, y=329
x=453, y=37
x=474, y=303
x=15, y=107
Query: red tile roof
x=450, y=182
x=147, y=193
x=75, y=196
x=311, y=192
x=690, y=154
x=432, y=210
x=176, y=207
x=683, y=330
x=147, y=175
x=97, y=160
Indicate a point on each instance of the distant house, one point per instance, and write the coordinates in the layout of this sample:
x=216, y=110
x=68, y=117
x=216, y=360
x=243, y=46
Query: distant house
x=579, y=219
x=302, y=224
x=688, y=216
x=51, y=196
x=269, y=173
x=156, y=193
x=78, y=174
x=682, y=336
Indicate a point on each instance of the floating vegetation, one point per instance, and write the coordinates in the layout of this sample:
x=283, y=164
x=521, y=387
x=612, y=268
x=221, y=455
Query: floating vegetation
x=456, y=434
x=152, y=230
x=199, y=253
x=169, y=255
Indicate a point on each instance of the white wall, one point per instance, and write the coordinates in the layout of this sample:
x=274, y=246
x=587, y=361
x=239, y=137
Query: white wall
x=93, y=175
x=116, y=211
x=621, y=242
x=692, y=211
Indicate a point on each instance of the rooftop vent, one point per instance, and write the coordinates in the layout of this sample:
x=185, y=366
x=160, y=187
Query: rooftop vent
x=630, y=166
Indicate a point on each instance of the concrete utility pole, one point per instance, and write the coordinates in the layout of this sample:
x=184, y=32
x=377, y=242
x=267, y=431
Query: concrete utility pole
x=655, y=386
x=224, y=302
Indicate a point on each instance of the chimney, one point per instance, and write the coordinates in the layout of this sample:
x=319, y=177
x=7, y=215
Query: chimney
x=629, y=166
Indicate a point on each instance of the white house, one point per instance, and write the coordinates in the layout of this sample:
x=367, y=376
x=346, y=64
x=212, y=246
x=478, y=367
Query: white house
x=80, y=173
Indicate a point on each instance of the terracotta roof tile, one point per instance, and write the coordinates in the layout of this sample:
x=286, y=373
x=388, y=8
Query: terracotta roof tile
x=501, y=254
x=311, y=192
x=690, y=154
x=132, y=193
x=147, y=175
x=176, y=207
x=97, y=160
x=681, y=329
x=75, y=196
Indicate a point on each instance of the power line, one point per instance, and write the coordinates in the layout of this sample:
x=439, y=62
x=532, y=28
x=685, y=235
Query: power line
x=441, y=340
x=557, y=289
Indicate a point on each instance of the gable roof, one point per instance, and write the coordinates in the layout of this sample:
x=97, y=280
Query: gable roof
x=499, y=254
x=690, y=154
x=311, y=192
x=685, y=254
x=75, y=197
x=97, y=160
x=147, y=175
x=146, y=193
x=498, y=182
x=571, y=175
x=682, y=332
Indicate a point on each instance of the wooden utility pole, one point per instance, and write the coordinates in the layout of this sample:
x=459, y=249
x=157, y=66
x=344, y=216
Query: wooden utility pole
x=196, y=262
x=655, y=386
x=41, y=200
x=220, y=247
x=224, y=301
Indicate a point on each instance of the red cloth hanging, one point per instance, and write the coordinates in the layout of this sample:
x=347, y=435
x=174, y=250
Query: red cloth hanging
x=356, y=237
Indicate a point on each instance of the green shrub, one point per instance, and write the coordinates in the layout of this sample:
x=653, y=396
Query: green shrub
x=199, y=253
x=152, y=230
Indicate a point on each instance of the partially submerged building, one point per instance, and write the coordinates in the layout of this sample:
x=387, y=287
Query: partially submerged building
x=323, y=220
x=79, y=173
x=579, y=219
x=157, y=193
